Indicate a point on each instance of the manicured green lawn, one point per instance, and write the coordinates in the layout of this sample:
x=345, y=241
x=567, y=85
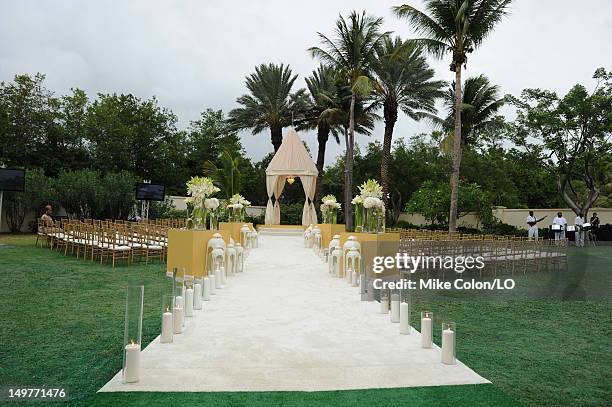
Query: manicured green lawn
x=62, y=325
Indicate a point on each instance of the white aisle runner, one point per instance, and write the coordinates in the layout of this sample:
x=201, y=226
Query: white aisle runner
x=285, y=324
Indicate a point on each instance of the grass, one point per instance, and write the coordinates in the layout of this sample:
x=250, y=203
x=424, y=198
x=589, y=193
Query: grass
x=62, y=325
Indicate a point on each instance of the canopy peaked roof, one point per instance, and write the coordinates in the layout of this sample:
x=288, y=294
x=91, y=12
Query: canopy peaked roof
x=292, y=158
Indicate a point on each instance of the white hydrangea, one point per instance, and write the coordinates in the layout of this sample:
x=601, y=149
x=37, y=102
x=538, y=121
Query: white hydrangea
x=371, y=202
x=211, y=203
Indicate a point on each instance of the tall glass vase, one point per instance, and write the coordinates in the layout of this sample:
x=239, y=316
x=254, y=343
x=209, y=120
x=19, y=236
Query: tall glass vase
x=334, y=216
x=370, y=221
x=203, y=217
x=189, y=220
x=214, y=220
x=358, y=211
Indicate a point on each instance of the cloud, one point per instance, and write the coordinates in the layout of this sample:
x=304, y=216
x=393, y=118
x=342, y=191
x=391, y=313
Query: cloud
x=195, y=54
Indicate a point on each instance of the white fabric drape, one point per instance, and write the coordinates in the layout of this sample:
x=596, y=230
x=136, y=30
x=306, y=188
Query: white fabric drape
x=270, y=183
x=306, y=181
x=309, y=214
x=291, y=159
x=278, y=190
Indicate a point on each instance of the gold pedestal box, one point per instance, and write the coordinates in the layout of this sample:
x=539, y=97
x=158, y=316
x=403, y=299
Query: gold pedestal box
x=328, y=230
x=234, y=229
x=372, y=245
x=187, y=249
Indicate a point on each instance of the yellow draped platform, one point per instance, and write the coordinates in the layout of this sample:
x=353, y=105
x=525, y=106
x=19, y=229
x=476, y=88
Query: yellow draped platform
x=187, y=249
x=372, y=245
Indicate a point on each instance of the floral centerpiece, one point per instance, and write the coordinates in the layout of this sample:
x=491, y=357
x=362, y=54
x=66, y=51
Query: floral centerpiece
x=200, y=190
x=237, y=208
x=358, y=212
x=329, y=209
x=372, y=207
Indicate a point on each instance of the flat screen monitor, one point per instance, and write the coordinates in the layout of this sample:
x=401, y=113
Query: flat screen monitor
x=12, y=179
x=150, y=192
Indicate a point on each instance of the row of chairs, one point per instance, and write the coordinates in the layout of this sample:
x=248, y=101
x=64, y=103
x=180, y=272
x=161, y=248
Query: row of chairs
x=112, y=241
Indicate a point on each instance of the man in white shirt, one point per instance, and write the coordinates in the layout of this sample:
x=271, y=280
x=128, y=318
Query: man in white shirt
x=532, y=222
x=560, y=220
x=579, y=232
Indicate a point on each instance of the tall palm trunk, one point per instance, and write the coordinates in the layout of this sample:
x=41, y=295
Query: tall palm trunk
x=390, y=113
x=348, y=169
x=322, y=137
x=454, y=180
x=276, y=136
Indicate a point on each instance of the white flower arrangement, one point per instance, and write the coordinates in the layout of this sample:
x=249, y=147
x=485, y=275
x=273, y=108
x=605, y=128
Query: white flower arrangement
x=371, y=188
x=238, y=199
x=372, y=202
x=330, y=207
x=200, y=188
x=357, y=200
x=211, y=203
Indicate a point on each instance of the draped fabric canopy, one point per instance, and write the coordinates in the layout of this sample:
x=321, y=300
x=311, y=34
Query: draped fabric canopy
x=291, y=159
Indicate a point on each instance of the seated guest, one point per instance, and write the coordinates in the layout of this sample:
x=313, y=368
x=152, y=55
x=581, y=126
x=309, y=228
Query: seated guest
x=560, y=220
x=47, y=217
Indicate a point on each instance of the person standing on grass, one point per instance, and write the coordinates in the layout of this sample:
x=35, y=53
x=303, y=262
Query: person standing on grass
x=532, y=221
x=594, y=220
x=560, y=220
x=579, y=221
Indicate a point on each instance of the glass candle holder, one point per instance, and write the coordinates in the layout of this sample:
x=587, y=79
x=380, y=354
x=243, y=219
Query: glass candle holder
x=395, y=308
x=167, y=326
x=363, y=286
x=132, y=334
x=384, y=301
x=426, y=329
x=405, y=312
x=188, y=290
x=449, y=335
x=179, y=301
x=198, y=292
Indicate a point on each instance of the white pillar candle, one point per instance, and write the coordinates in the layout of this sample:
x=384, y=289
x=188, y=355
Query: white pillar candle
x=404, y=319
x=189, y=302
x=197, y=296
x=395, y=308
x=206, y=291
x=132, y=363
x=223, y=276
x=177, y=320
x=213, y=284
x=166, y=330
x=217, y=278
x=355, y=279
x=384, y=305
x=426, y=332
x=448, y=347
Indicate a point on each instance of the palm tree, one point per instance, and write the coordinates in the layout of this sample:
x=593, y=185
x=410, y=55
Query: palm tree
x=322, y=89
x=480, y=103
x=270, y=103
x=456, y=27
x=329, y=112
x=228, y=174
x=403, y=82
x=351, y=53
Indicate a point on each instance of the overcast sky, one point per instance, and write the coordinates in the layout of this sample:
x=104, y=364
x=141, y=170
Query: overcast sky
x=193, y=55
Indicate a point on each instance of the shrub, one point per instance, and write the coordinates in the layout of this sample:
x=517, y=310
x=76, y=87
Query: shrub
x=39, y=192
x=291, y=214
